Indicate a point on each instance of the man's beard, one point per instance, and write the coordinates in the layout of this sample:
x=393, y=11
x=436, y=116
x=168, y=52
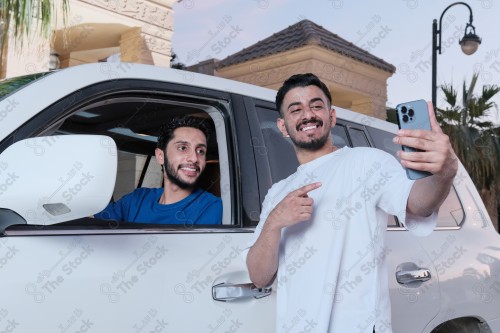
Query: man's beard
x=312, y=145
x=173, y=176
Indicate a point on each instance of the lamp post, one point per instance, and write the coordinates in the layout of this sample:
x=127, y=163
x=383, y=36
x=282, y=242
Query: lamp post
x=469, y=43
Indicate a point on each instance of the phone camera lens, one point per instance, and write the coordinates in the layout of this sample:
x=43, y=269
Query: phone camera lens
x=405, y=118
x=403, y=109
x=411, y=113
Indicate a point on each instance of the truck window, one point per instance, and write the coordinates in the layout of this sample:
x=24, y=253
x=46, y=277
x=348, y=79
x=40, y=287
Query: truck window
x=358, y=137
x=339, y=136
x=274, y=144
x=133, y=123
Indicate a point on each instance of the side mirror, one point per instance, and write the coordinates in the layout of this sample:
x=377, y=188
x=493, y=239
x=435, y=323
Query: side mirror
x=47, y=180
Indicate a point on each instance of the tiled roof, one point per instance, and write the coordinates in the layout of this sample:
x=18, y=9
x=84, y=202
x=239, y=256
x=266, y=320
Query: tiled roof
x=300, y=34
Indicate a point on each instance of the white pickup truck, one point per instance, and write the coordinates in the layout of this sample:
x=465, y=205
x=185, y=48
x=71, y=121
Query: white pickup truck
x=72, y=140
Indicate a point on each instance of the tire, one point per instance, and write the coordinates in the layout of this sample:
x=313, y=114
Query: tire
x=460, y=325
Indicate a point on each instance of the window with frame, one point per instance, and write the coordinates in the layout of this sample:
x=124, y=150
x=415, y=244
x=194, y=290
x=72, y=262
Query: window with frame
x=132, y=121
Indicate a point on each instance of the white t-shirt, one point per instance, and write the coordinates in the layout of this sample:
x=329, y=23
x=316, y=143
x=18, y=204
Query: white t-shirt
x=332, y=274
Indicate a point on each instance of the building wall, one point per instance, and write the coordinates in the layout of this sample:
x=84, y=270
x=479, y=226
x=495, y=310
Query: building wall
x=353, y=84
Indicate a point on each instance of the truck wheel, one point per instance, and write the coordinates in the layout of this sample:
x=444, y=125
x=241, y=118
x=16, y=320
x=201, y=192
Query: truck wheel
x=461, y=325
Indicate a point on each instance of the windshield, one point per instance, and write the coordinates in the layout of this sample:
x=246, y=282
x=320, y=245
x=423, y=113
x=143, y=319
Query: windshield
x=8, y=86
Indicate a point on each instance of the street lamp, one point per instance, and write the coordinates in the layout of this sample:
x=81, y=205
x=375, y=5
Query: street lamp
x=469, y=43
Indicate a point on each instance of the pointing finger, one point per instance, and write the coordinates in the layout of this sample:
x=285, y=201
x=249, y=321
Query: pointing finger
x=302, y=191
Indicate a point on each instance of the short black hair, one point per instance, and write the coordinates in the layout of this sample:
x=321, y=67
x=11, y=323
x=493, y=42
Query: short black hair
x=300, y=80
x=167, y=130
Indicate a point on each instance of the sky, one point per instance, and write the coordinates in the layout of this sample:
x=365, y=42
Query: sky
x=397, y=31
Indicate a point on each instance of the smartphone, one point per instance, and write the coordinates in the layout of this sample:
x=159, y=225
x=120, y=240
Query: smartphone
x=414, y=115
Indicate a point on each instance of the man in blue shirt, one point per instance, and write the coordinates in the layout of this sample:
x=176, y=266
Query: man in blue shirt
x=181, y=151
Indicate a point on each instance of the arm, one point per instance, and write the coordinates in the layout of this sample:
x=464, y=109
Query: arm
x=437, y=157
x=262, y=259
x=428, y=194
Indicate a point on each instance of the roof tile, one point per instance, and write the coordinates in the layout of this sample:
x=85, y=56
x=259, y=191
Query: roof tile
x=300, y=34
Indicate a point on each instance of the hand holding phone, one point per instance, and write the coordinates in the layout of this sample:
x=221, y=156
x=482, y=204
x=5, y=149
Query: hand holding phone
x=413, y=115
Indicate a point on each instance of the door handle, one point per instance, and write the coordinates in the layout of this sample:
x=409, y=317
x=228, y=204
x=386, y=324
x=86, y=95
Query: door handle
x=410, y=272
x=225, y=292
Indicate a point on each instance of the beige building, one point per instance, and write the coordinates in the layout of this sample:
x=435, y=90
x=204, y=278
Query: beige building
x=356, y=78
x=137, y=31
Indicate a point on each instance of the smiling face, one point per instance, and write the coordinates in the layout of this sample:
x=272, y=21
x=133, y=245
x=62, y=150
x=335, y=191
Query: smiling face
x=185, y=157
x=307, y=118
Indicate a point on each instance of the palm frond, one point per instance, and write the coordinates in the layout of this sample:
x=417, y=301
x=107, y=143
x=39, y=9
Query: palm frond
x=484, y=124
x=21, y=16
x=450, y=94
x=475, y=139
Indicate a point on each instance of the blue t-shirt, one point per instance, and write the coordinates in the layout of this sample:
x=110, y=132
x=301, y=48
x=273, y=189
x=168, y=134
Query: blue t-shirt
x=142, y=206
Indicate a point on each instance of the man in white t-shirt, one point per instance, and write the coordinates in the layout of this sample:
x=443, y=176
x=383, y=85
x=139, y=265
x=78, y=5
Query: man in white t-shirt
x=324, y=239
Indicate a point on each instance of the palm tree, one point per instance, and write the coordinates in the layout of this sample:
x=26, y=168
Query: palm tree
x=174, y=63
x=17, y=17
x=475, y=139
